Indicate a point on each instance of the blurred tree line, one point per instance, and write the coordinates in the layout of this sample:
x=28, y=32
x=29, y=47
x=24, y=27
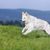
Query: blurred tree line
x=10, y=23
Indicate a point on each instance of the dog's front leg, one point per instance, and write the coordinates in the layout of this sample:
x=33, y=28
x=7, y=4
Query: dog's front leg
x=28, y=31
x=24, y=29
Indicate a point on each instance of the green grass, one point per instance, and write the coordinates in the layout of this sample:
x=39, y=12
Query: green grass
x=11, y=38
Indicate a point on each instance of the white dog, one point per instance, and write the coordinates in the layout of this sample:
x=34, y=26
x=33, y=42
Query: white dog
x=33, y=23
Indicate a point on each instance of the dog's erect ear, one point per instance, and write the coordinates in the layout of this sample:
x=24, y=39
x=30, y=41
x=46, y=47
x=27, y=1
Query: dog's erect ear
x=26, y=13
x=23, y=13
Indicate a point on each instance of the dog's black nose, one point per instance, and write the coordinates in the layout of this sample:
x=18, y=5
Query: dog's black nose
x=23, y=21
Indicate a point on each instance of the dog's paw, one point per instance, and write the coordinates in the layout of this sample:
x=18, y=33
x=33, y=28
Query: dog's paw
x=22, y=31
x=24, y=34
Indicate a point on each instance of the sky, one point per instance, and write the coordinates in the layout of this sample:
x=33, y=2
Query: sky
x=26, y=4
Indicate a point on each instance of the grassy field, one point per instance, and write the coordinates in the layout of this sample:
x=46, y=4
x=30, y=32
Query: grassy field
x=11, y=38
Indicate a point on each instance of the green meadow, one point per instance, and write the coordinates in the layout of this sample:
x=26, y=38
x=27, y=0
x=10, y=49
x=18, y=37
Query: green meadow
x=11, y=38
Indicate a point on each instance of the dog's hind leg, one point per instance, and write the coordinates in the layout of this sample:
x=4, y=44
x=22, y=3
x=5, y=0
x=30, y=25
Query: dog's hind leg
x=47, y=29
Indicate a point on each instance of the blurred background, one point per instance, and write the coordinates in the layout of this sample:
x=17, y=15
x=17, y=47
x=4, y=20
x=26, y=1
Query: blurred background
x=10, y=10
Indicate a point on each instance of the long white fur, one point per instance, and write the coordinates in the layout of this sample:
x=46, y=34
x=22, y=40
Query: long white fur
x=33, y=23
